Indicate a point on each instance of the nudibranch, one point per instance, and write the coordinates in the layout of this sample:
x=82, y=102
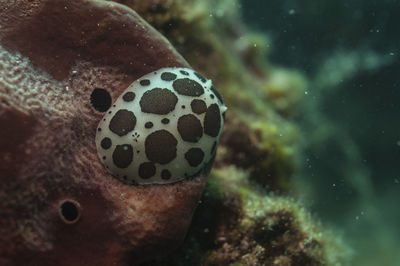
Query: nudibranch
x=165, y=127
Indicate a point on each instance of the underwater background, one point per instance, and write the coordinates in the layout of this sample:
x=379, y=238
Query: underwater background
x=349, y=51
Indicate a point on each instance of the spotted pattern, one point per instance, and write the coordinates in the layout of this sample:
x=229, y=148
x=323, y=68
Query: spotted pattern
x=129, y=96
x=198, y=106
x=123, y=122
x=160, y=147
x=189, y=127
x=188, y=87
x=106, y=143
x=148, y=125
x=122, y=155
x=147, y=170
x=164, y=128
x=165, y=174
x=168, y=76
x=212, y=120
x=158, y=101
x=100, y=100
x=194, y=156
x=145, y=82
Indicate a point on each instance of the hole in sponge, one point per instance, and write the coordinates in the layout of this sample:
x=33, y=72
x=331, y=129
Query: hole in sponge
x=69, y=211
x=100, y=99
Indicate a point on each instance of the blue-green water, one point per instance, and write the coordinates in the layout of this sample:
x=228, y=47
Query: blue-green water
x=349, y=50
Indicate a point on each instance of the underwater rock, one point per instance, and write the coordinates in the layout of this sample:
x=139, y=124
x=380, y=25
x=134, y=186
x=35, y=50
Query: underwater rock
x=238, y=223
x=62, y=63
x=256, y=228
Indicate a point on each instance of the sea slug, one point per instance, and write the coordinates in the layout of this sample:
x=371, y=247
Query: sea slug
x=163, y=128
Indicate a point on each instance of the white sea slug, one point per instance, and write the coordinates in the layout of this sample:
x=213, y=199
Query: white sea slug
x=165, y=127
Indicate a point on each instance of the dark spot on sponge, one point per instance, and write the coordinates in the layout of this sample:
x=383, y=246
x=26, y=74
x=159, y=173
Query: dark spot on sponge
x=69, y=211
x=100, y=100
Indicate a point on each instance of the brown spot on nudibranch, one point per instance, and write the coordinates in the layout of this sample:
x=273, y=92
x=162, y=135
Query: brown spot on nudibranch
x=194, y=156
x=212, y=121
x=188, y=87
x=123, y=155
x=165, y=174
x=189, y=127
x=160, y=147
x=168, y=76
x=123, y=122
x=158, y=101
x=198, y=106
x=129, y=96
x=106, y=143
x=148, y=125
x=147, y=170
x=145, y=82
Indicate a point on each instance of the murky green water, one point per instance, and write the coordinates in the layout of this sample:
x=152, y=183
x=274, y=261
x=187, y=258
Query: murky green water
x=349, y=50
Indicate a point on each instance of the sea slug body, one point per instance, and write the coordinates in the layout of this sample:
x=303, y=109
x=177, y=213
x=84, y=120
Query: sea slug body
x=164, y=127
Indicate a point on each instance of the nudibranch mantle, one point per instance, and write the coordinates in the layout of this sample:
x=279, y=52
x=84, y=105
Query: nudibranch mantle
x=165, y=127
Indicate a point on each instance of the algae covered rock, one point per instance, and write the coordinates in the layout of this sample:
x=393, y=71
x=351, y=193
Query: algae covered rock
x=238, y=223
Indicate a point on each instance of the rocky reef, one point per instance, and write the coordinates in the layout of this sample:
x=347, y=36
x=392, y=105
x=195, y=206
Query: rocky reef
x=61, y=204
